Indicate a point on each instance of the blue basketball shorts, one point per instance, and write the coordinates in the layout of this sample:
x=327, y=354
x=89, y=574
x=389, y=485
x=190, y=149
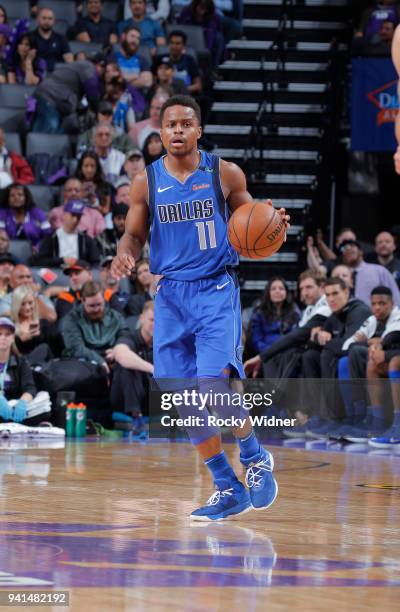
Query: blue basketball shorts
x=197, y=327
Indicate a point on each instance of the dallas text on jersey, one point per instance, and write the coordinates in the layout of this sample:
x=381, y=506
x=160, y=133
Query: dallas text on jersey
x=185, y=211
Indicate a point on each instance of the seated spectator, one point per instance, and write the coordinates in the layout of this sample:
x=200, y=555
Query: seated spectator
x=277, y=315
x=5, y=33
x=184, y=65
x=142, y=129
x=187, y=70
x=120, y=141
x=373, y=17
x=84, y=338
x=67, y=244
x=35, y=338
x=320, y=252
x=121, y=101
x=111, y=159
x=113, y=294
x=7, y=263
x=374, y=353
x=385, y=249
x=152, y=34
x=134, y=67
x=22, y=275
x=93, y=27
x=134, y=369
x=165, y=82
x=16, y=377
x=321, y=359
x=25, y=67
x=134, y=163
x=108, y=240
x=158, y=11
x=277, y=356
x=20, y=217
x=57, y=97
x=122, y=191
x=92, y=221
x=13, y=167
x=202, y=13
x=79, y=273
x=367, y=276
x=51, y=46
x=145, y=283
x=346, y=274
x=96, y=190
x=138, y=102
x=153, y=148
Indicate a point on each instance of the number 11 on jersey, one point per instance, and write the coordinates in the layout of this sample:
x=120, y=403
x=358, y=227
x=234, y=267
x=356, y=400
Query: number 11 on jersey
x=201, y=230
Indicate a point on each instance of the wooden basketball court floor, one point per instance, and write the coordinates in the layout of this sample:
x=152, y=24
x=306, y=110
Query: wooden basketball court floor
x=108, y=522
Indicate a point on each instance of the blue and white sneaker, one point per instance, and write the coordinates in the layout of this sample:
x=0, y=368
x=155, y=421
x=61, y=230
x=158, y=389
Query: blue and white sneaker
x=260, y=481
x=230, y=499
x=388, y=439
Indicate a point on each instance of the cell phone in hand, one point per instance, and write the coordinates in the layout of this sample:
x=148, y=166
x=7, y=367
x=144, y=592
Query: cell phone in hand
x=47, y=275
x=34, y=326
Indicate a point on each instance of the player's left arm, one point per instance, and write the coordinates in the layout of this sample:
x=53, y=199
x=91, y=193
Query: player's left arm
x=234, y=187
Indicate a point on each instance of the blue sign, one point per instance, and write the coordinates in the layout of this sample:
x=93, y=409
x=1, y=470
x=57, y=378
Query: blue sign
x=374, y=104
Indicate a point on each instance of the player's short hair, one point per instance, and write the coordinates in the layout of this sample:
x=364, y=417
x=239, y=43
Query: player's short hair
x=317, y=278
x=181, y=100
x=382, y=290
x=90, y=289
x=335, y=280
x=179, y=33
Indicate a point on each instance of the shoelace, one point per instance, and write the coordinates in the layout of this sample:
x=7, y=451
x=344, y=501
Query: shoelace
x=255, y=472
x=215, y=497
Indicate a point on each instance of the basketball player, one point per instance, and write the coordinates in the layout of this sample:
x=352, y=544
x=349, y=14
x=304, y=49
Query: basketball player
x=185, y=198
x=396, y=62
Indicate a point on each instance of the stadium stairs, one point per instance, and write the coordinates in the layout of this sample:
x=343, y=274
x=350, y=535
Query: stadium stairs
x=289, y=141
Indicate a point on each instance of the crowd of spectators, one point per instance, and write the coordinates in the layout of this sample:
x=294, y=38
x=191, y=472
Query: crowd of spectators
x=347, y=337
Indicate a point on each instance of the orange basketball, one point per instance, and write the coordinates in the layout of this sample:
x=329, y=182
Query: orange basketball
x=256, y=230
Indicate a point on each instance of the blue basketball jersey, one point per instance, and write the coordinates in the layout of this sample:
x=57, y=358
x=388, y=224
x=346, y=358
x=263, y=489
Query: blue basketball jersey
x=189, y=233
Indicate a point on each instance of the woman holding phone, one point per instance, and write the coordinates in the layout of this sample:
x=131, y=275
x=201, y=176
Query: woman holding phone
x=36, y=338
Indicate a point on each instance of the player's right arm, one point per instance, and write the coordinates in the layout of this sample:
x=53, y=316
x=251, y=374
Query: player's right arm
x=396, y=62
x=136, y=229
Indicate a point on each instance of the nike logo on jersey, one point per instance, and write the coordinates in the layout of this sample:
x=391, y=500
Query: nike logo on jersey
x=222, y=286
x=164, y=189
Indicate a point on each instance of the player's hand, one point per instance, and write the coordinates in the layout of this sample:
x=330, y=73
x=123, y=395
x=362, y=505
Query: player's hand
x=285, y=218
x=396, y=158
x=252, y=366
x=122, y=265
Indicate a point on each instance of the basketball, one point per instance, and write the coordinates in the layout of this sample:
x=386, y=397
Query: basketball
x=256, y=230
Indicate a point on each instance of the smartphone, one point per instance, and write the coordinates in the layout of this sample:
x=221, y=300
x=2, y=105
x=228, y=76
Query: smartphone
x=47, y=275
x=34, y=326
